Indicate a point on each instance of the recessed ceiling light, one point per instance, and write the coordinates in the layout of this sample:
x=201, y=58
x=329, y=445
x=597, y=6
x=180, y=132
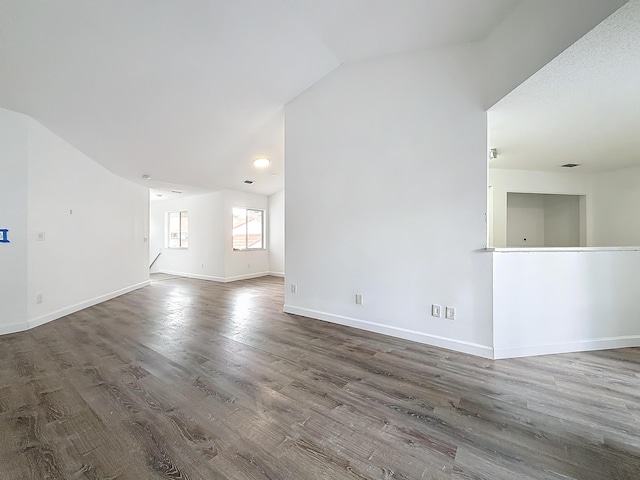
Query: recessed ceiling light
x=261, y=162
x=248, y=182
x=146, y=177
x=570, y=165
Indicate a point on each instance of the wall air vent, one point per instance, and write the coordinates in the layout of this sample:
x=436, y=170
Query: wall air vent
x=248, y=182
x=570, y=165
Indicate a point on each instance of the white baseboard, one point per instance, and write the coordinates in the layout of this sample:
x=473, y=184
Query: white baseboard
x=13, y=328
x=605, y=343
x=420, y=337
x=216, y=279
x=246, y=277
x=193, y=275
x=41, y=320
x=277, y=274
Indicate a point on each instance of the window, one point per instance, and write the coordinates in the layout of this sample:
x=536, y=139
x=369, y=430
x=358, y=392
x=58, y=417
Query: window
x=248, y=229
x=178, y=230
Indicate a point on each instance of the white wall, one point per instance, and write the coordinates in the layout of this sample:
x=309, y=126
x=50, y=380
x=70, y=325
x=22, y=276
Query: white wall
x=609, y=208
x=617, y=207
x=210, y=255
x=386, y=197
x=95, y=227
x=97, y=252
x=525, y=220
x=562, y=220
x=552, y=302
x=503, y=181
x=13, y=216
x=205, y=255
x=241, y=264
x=276, y=233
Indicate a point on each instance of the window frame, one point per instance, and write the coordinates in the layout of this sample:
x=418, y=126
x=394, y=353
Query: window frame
x=263, y=238
x=180, y=231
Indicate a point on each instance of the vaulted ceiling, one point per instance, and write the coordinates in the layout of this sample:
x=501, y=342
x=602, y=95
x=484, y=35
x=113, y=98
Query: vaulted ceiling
x=190, y=92
x=581, y=108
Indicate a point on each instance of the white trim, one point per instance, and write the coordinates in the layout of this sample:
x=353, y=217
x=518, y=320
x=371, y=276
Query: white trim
x=216, y=279
x=246, y=276
x=36, y=322
x=420, y=337
x=192, y=275
x=562, y=249
x=605, y=343
x=13, y=328
x=277, y=274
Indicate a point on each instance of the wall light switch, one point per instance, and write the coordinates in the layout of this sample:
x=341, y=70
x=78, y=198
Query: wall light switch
x=358, y=299
x=436, y=310
x=294, y=288
x=41, y=236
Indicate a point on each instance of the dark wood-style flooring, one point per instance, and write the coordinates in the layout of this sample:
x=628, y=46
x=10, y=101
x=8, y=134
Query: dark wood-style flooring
x=199, y=380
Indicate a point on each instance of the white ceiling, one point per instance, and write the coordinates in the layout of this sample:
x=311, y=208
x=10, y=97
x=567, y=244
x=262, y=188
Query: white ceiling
x=191, y=91
x=583, y=107
x=354, y=30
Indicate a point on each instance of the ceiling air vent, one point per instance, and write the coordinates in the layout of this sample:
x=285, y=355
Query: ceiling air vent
x=248, y=182
x=570, y=165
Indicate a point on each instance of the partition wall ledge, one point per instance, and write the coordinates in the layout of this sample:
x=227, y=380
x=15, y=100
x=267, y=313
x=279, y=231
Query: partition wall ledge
x=561, y=249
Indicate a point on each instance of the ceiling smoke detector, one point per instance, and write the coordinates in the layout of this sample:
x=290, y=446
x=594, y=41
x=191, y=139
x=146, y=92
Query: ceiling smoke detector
x=146, y=177
x=570, y=165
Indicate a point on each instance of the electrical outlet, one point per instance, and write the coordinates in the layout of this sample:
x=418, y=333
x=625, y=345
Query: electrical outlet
x=358, y=299
x=294, y=288
x=436, y=310
x=39, y=298
x=248, y=265
x=41, y=236
x=450, y=313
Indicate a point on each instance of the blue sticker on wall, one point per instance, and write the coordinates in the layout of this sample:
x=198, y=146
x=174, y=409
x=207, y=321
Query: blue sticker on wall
x=4, y=235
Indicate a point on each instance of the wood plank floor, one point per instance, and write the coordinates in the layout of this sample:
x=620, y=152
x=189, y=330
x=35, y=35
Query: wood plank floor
x=198, y=380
